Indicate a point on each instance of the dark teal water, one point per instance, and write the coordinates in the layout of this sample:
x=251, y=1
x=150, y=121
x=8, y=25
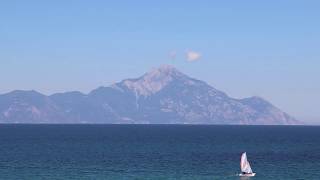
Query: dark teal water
x=157, y=151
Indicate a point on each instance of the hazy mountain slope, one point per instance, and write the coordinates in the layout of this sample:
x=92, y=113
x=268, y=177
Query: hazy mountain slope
x=80, y=108
x=29, y=107
x=266, y=113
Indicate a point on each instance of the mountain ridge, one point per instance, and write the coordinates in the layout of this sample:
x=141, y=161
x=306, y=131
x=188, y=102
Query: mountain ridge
x=163, y=95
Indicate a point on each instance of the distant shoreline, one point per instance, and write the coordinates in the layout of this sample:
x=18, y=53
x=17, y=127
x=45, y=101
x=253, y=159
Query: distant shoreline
x=153, y=124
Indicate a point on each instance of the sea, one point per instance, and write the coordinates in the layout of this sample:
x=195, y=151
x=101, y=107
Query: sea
x=186, y=152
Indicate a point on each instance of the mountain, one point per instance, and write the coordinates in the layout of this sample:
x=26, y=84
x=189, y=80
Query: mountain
x=161, y=96
x=29, y=107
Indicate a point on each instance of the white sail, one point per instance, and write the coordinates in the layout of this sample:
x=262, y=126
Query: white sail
x=244, y=164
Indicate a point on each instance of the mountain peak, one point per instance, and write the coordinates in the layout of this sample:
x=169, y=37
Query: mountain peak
x=164, y=70
x=154, y=80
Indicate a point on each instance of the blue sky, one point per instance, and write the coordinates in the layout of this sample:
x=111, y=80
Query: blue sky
x=265, y=48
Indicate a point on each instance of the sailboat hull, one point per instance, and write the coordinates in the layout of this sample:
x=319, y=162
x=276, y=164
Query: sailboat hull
x=247, y=175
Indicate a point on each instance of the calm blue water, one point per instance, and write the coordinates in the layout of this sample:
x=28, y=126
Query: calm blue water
x=157, y=151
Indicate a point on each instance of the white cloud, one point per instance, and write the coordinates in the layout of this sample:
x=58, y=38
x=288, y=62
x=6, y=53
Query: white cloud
x=193, y=56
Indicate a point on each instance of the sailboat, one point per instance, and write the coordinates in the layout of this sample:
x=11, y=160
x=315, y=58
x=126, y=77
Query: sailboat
x=245, y=166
